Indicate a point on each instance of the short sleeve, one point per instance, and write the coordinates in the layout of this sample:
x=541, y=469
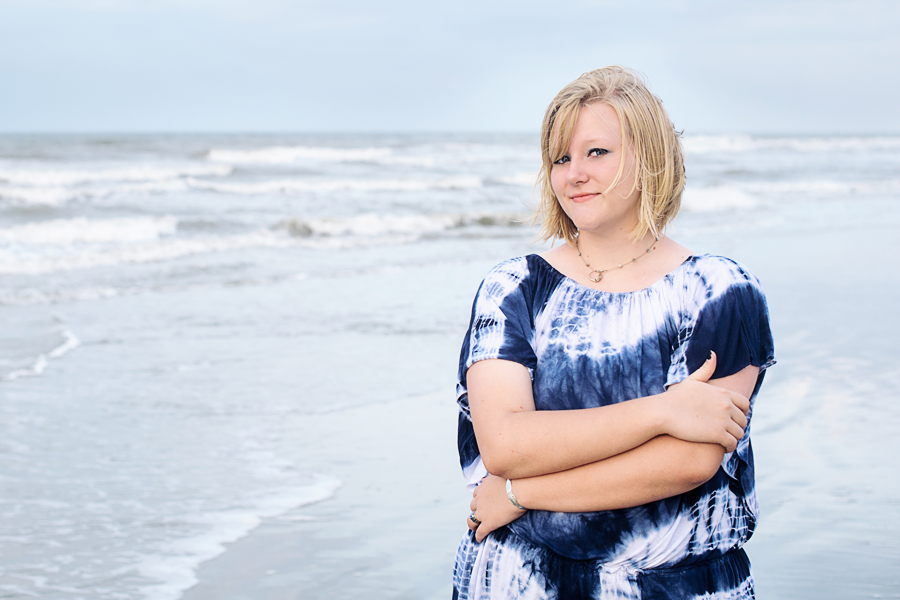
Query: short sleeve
x=501, y=325
x=725, y=311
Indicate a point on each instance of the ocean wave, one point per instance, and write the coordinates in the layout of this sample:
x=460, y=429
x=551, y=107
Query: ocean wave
x=30, y=296
x=64, y=245
x=285, y=155
x=63, y=177
x=288, y=186
x=750, y=194
x=31, y=196
x=36, y=261
x=708, y=144
x=379, y=225
x=81, y=230
x=55, y=196
x=825, y=186
x=58, y=195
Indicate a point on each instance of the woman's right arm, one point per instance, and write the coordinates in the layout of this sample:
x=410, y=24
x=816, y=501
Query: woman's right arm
x=517, y=441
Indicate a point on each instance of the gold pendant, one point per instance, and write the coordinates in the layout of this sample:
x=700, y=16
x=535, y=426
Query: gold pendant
x=597, y=278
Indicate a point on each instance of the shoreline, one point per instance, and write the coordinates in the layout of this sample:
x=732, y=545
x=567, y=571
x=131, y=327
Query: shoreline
x=392, y=526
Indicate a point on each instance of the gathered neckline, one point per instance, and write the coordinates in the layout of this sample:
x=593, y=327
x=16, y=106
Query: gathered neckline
x=644, y=289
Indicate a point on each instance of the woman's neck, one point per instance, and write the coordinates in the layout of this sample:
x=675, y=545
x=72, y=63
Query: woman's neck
x=609, y=250
x=604, y=253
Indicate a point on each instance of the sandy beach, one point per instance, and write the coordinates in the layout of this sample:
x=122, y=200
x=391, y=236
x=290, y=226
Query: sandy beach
x=223, y=376
x=390, y=531
x=822, y=437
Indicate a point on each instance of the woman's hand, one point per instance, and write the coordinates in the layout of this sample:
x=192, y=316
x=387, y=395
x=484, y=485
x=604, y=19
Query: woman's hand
x=491, y=507
x=697, y=411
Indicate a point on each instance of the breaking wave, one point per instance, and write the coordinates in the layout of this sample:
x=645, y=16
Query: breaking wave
x=706, y=144
x=285, y=155
x=59, y=232
x=378, y=225
x=289, y=186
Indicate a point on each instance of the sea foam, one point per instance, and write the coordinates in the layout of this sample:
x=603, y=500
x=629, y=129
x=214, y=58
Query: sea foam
x=81, y=230
x=283, y=155
x=707, y=144
x=377, y=225
x=64, y=176
x=35, y=262
x=69, y=343
x=289, y=186
x=176, y=562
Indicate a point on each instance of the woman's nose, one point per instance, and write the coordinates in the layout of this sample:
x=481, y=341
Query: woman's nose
x=576, y=173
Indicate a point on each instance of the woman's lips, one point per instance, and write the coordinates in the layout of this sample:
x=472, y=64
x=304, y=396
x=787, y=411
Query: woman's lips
x=582, y=197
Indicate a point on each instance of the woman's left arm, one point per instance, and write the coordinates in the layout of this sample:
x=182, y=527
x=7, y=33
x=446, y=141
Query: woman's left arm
x=660, y=468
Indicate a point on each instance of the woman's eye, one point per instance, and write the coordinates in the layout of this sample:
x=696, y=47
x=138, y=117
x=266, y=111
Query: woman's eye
x=597, y=151
x=562, y=160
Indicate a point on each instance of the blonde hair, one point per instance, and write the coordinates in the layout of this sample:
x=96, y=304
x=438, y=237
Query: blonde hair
x=659, y=157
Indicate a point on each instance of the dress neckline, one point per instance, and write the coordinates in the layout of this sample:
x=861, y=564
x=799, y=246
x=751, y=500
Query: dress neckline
x=643, y=289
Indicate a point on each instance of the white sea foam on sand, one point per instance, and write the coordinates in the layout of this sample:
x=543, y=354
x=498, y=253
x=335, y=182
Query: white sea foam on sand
x=176, y=562
x=69, y=343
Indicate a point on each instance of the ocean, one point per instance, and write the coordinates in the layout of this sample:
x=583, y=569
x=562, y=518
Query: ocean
x=199, y=331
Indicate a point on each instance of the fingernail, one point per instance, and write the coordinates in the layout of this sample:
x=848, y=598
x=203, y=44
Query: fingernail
x=710, y=355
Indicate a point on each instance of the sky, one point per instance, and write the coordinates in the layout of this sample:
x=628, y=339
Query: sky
x=764, y=67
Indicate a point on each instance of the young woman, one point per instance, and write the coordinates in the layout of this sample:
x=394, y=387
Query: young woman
x=606, y=386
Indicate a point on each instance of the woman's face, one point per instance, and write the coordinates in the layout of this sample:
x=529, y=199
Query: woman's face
x=581, y=179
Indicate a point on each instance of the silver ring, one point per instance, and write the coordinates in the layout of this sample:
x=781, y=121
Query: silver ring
x=474, y=520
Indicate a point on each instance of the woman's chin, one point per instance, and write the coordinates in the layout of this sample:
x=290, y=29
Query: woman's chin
x=601, y=227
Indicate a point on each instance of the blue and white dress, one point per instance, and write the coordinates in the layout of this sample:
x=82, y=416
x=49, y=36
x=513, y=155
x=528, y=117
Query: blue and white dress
x=585, y=348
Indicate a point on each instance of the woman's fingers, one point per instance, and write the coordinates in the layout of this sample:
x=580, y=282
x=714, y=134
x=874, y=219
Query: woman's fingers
x=471, y=523
x=741, y=401
x=480, y=534
x=739, y=417
x=735, y=431
x=493, y=507
x=706, y=370
x=702, y=412
x=729, y=442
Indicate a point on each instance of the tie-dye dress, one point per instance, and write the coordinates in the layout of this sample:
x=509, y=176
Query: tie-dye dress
x=585, y=348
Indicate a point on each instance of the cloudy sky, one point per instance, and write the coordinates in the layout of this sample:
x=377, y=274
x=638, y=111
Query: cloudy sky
x=768, y=66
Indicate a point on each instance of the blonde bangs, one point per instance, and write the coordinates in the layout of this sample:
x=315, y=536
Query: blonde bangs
x=556, y=133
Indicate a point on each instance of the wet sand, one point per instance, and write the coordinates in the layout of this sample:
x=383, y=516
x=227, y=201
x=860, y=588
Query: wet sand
x=824, y=436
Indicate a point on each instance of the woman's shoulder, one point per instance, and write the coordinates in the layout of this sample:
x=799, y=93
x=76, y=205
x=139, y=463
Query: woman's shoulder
x=528, y=276
x=721, y=286
x=518, y=270
x=718, y=273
